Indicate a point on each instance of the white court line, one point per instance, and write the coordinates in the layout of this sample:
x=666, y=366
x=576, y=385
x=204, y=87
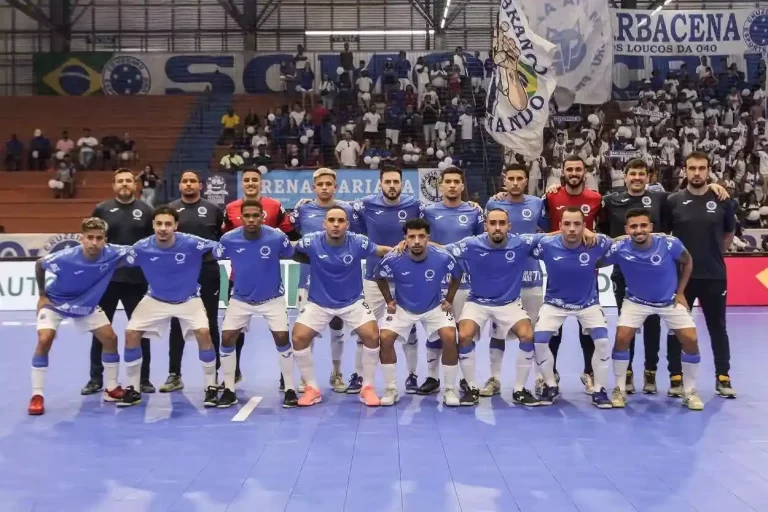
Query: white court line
x=8, y=323
x=247, y=409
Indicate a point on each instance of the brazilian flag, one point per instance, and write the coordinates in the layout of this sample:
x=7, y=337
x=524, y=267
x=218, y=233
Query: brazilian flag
x=69, y=74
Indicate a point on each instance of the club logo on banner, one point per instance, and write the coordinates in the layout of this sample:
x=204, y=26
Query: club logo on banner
x=126, y=76
x=429, y=186
x=216, y=190
x=755, y=31
x=522, y=84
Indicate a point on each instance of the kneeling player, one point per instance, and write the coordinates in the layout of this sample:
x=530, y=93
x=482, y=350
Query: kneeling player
x=171, y=263
x=82, y=274
x=255, y=251
x=418, y=274
x=655, y=286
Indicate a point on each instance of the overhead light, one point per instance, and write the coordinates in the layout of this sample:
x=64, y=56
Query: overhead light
x=668, y=2
x=368, y=32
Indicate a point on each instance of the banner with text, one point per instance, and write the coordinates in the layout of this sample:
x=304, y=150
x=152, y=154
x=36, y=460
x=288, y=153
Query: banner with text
x=34, y=245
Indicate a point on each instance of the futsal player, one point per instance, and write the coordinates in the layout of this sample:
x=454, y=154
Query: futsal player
x=450, y=221
x=705, y=226
x=171, y=262
x=335, y=290
x=418, y=274
x=82, y=274
x=275, y=216
x=526, y=216
x=204, y=219
x=657, y=269
x=128, y=221
x=255, y=251
x=571, y=291
x=495, y=261
x=309, y=217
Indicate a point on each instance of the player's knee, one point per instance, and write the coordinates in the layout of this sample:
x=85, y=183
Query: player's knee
x=44, y=343
x=281, y=339
x=132, y=338
x=109, y=341
x=387, y=339
x=229, y=338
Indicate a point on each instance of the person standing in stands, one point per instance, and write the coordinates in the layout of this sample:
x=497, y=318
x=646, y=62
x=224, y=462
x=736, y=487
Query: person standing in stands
x=275, y=216
x=128, y=221
x=204, y=219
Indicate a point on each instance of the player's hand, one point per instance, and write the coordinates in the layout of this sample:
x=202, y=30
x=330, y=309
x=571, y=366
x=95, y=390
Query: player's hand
x=475, y=206
x=680, y=299
x=42, y=302
x=589, y=238
x=553, y=188
x=301, y=202
x=499, y=196
x=391, y=307
x=445, y=306
x=719, y=191
x=400, y=248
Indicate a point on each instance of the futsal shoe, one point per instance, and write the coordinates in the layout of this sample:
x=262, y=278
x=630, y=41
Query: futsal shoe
x=228, y=398
x=355, y=384
x=588, y=382
x=369, y=398
x=492, y=387
x=463, y=386
x=310, y=397
x=114, y=395
x=412, y=384
x=549, y=395
x=147, y=387
x=130, y=397
x=538, y=386
x=450, y=398
x=526, y=398
x=211, y=397
x=337, y=382
x=92, y=387
x=675, y=386
x=649, y=382
x=172, y=383
x=600, y=400
x=36, y=405
x=692, y=401
x=390, y=397
x=618, y=399
x=290, y=399
x=470, y=398
x=723, y=387
x=630, y=385
x=430, y=386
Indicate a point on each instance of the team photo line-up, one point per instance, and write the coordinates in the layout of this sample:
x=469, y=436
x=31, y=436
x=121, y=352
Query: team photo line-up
x=451, y=266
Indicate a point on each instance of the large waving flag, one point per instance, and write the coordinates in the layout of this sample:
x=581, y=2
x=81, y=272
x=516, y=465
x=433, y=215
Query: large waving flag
x=583, y=59
x=522, y=84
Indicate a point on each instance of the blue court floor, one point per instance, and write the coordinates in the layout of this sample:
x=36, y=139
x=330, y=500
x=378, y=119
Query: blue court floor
x=170, y=454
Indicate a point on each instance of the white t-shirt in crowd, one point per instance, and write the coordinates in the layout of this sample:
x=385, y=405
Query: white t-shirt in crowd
x=87, y=143
x=348, y=150
x=371, y=121
x=467, y=123
x=364, y=84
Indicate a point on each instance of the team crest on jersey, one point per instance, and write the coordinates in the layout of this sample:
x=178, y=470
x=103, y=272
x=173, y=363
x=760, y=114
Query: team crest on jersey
x=347, y=259
x=656, y=259
x=383, y=273
x=509, y=256
x=265, y=251
x=202, y=211
x=646, y=201
x=711, y=206
x=456, y=251
x=402, y=214
x=180, y=257
x=463, y=219
x=584, y=258
x=429, y=274
x=585, y=209
x=137, y=214
x=526, y=213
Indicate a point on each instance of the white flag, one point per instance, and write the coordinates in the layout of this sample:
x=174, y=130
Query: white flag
x=582, y=33
x=522, y=84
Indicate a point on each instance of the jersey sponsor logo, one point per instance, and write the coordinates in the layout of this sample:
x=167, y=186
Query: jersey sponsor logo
x=438, y=217
x=646, y=201
x=557, y=258
x=113, y=210
x=484, y=254
x=155, y=258
x=688, y=201
x=180, y=257
x=78, y=272
x=347, y=259
x=240, y=250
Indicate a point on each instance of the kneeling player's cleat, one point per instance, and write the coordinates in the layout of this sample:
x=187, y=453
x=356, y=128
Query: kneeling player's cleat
x=390, y=397
x=368, y=396
x=130, y=397
x=36, y=405
x=724, y=388
x=471, y=397
x=692, y=401
x=310, y=397
x=630, y=384
x=675, y=386
x=211, y=396
x=549, y=395
x=649, y=382
x=412, y=384
x=290, y=399
x=618, y=399
x=92, y=387
x=228, y=398
x=336, y=380
x=450, y=398
x=429, y=387
x=589, y=384
x=355, y=384
x=113, y=395
x=526, y=398
x=172, y=383
x=600, y=399
x=492, y=387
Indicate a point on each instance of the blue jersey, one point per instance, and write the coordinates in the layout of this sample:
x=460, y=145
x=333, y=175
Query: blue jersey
x=256, y=263
x=418, y=283
x=308, y=218
x=651, y=274
x=571, y=273
x=525, y=218
x=497, y=273
x=336, y=279
x=80, y=282
x=171, y=272
x=451, y=224
x=383, y=223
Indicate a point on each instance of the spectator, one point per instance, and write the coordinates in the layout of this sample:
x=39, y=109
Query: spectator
x=110, y=146
x=347, y=151
x=251, y=120
x=63, y=182
x=14, y=151
x=327, y=92
x=232, y=161
x=364, y=87
x=371, y=120
x=229, y=122
x=127, y=149
x=347, y=64
x=65, y=144
x=148, y=180
x=87, y=145
x=39, y=151
x=306, y=87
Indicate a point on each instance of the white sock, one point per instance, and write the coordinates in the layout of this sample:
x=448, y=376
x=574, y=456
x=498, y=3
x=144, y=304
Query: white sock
x=545, y=363
x=337, y=348
x=690, y=371
x=411, y=351
x=370, y=362
x=620, y=366
x=524, y=362
x=600, y=361
x=209, y=372
x=359, y=358
x=449, y=376
x=228, y=366
x=133, y=373
x=434, y=356
x=285, y=359
x=389, y=371
x=110, y=375
x=497, y=358
x=38, y=380
x=305, y=363
x=467, y=363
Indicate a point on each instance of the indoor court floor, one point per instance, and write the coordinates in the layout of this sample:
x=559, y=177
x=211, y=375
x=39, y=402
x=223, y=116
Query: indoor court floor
x=170, y=454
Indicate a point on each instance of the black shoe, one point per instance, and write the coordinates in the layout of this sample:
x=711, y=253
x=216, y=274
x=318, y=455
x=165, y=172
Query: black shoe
x=147, y=387
x=430, y=387
x=723, y=387
x=282, y=384
x=93, y=387
x=290, y=399
x=130, y=397
x=471, y=397
x=211, y=396
x=463, y=386
x=239, y=377
x=228, y=398
x=524, y=397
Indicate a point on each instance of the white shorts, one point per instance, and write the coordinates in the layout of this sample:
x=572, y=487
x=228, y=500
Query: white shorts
x=317, y=317
x=152, y=317
x=505, y=316
x=301, y=298
x=50, y=319
x=393, y=135
x=375, y=299
x=675, y=316
x=239, y=314
x=551, y=318
x=532, y=299
x=432, y=321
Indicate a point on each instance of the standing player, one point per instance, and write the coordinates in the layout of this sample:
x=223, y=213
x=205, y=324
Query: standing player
x=382, y=217
x=418, y=275
x=526, y=216
x=450, y=221
x=572, y=290
x=496, y=261
x=335, y=290
x=706, y=227
x=128, y=221
x=655, y=286
x=203, y=219
x=275, y=216
x=309, y=218
x=82, y=274
x=255, y=251
x=171, y=262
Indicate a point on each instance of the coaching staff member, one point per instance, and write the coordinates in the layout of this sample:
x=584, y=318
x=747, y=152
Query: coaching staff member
x=128, y=220
x=706, y=227
x=275, y=216
x=204, y=219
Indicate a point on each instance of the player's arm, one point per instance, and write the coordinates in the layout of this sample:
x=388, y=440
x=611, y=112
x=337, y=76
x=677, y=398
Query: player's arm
x=383, y=250
x=227, y=225
x=285, y=225
x=40, y=278
x=220, y=218
x=97, y=212
x=684, y=270
x=729, y=225
x=386, y=292
x=604, y=218
x=719, y=191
